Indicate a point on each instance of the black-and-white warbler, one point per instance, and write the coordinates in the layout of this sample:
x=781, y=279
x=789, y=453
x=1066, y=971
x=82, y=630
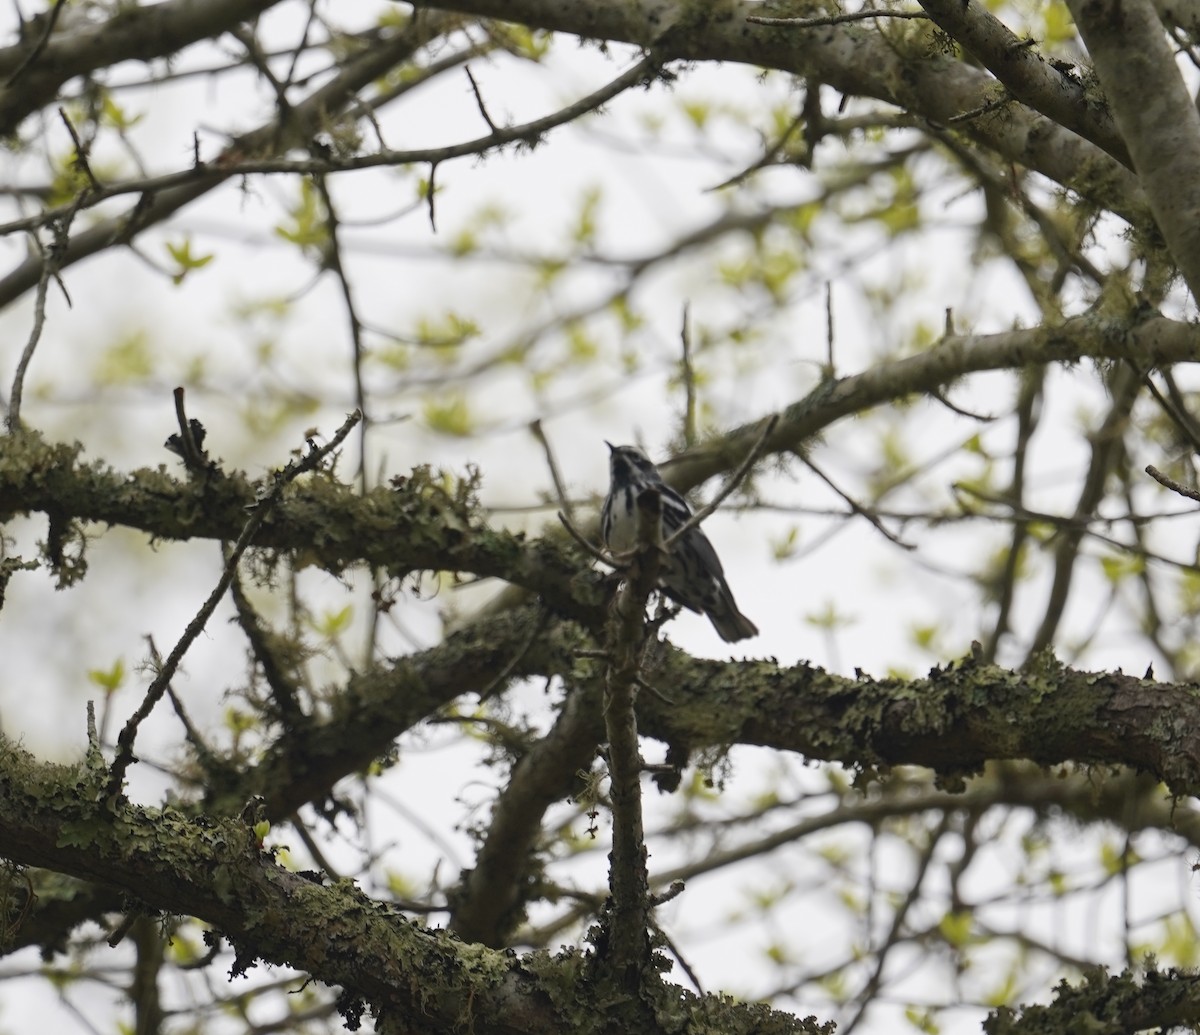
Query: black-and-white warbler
x=692, y=574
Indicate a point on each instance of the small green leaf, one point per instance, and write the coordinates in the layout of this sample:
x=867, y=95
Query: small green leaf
x=698, y=112
x=127, y=361
x=333, y=623
x=783, y=547
x=307, y=225
x=1116, y=859
x=922, y=1019
x=829, y=618
x=1117, y=569
x=112, y=114
x=449, y=416
x=955, y=927
x=924, y=635
x=185, y=260
x=109, y=680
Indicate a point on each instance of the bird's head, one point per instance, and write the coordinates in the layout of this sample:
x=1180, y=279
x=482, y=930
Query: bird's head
x=629, y=464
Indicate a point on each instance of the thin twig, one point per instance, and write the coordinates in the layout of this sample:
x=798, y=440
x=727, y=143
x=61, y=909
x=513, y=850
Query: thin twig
x=51, y=261
x=830, y=369
x=895, y=933
x=204, y=754
x=857, y=507
x=47, y=31
x=1171, y=483
x=689, y=382
x=672, y=948
x=555, y=475
x=194, y=458
x=302, y=46
x=835, y=19
x=268, y=497
x=769, y=157
x=283, y=686
x=651, y=688
x=1178, y=414
x=579, y=537
x=983, y=109
x=81, y=157
x=231, y=162
x=1182, y=413
x=333, y=261
x=737, y=478
x=431, y=191
x=501, y=677
x=35, y=335
x=940, y=396
x=479, y=101
x=262, y=64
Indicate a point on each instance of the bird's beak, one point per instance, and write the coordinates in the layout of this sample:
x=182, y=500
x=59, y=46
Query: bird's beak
x=611, y=447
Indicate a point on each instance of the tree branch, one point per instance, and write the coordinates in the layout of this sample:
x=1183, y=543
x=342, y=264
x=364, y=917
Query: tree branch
x=1151, y=342
x=487, y=907
x=376, y=706
x=34, y=72
x=266, y=500
x=162, y=198
x=627, y=951
x=53, y=816
x=1155, y=114
x=1109, y=1003
x=1055, y=92
x=853, y=59
x=952, y=721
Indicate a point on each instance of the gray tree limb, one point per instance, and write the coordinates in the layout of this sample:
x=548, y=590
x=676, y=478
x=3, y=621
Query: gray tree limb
x=134, y=33
x=856, y=59
x=1031, y=79
x=1155, y=114
x=216, y=870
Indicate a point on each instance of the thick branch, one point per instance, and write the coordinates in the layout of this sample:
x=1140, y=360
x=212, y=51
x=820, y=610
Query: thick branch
x=1149, y=342
x=1109, y=1004
x=487, y=906
x=1156, y=116
x=216, y=871
x=50, y=816
x=167, y=861
x=628, y=914
x=1028, y=76
x=854, y=59
x=952, y=721
x=376, y=707
x=134, y=33
x=412, y=528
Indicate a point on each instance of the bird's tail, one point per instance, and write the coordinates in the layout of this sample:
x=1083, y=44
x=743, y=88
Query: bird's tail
x=730, y=623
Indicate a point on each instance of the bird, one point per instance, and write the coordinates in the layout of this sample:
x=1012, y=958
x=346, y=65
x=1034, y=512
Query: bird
x=692, y=575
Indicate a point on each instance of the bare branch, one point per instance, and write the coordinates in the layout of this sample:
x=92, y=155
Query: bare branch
x=560, y=491
x=730, y=485
x=857, y=507
x=628, y=918
x=833, y=19
x=262, y=507
x=1155, y=114
x=1171, y=484
x=1048, y=87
